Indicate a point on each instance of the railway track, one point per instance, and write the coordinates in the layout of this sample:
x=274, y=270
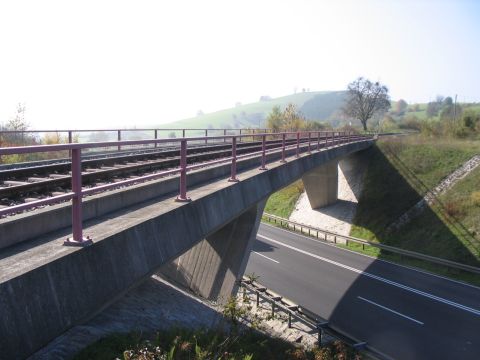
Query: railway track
x=41, y=180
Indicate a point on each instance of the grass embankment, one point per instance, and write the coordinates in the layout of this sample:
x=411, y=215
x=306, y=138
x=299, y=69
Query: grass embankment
x=400, y=173
x=181, y=344
x=283, y=202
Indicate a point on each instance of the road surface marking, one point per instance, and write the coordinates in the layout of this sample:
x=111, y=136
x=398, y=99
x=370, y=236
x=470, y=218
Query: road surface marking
x=275, y=261
x=324, y=243
x=388, y=309
x=390, y=282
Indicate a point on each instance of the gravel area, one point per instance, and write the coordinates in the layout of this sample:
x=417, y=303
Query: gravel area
x=153, y=305
x=337, y=217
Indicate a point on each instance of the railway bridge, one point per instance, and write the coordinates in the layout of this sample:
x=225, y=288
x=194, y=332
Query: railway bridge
x=195, y=223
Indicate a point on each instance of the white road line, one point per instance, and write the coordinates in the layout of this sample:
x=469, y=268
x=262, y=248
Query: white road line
x=388, y=309
x=275, y=261
x=323, y=243
x=379, y=278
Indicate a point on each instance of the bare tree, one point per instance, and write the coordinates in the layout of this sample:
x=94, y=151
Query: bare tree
x=365, y=99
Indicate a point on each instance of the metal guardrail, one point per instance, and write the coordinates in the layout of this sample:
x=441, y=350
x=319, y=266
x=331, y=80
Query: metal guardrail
x=305, y=316
x=306, y=141
x=334, y=238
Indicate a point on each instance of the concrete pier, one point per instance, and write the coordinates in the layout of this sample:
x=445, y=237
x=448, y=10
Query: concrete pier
x=321, y=184
x=210, y=268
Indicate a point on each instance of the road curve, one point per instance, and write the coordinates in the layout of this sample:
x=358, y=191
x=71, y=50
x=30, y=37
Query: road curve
x=401, y=312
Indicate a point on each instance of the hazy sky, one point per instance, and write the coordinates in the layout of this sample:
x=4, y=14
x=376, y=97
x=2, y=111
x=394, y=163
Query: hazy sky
x=84, y=64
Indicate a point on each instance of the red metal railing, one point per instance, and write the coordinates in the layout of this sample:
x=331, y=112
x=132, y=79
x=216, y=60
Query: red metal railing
x=303, y=143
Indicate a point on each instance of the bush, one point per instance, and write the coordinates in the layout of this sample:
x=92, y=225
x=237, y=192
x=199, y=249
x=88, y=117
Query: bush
x=475, y=198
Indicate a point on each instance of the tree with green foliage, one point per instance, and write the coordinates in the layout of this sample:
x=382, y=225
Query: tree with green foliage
x=275, y=119
x=293, y=119
x=366, y=99
x=432, y=109
x=401, y=107
x=290, y=119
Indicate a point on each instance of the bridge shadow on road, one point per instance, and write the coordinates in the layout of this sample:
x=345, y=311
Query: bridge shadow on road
x=359, y=311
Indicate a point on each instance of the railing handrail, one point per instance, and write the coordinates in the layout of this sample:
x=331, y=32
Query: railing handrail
x=393, y=249
x=88, y=145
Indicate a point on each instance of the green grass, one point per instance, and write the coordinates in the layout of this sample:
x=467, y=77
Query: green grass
x=185, y=344
x=283, y=202
x=223, y=118
x=398, y=176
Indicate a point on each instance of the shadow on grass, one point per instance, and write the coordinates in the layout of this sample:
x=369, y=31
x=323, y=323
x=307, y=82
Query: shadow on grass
x=427, y=233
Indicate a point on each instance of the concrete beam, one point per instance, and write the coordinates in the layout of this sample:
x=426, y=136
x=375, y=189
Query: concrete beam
x=212, y=267
x=321, y=184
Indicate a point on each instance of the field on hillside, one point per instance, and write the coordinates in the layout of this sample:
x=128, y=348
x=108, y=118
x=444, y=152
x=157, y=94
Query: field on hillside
x=400, y=172
x=318, y=105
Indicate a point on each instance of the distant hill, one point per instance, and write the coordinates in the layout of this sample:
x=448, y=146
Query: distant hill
x=323, y=106
x=318, y=105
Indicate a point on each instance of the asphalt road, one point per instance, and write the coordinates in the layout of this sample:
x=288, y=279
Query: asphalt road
x=400, y=312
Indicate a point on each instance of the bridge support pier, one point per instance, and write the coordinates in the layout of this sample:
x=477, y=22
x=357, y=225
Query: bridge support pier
x=321, y=184
x=211, y=268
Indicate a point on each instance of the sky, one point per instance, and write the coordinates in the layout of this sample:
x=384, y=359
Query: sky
x=114, y=63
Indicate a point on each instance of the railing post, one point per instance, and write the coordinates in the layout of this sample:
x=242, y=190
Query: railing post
x=77, y=238
x=70, y=139
x=206, y=136
x=233, y=173
x=156, y=137
x=263, y=153
x=224, y=134
x=241, y=139
x=309, y=140
x=318, y=141
x=182, y=197
x=119, y=138
x=283, y=148
x=183, y=133
x=298, y=144
x=333, y=138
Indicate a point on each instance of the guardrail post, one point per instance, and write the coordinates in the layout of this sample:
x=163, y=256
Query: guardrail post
x=156, y=137
x=309, y=140
x=119, y=138
x=183, y=133
x=182, y=197
x=298, y=145
x=224, y=134
x=233, y=172
x=320, y=327
x=258, y=298
x=206, y=136
x=77, y=238
x=283, y=148
x=241, y=135
x=333, y=138
x=263, y=167
x=318, y=141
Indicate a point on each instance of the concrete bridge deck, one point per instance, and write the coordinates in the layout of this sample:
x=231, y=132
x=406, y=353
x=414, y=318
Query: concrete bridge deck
x=45, y=288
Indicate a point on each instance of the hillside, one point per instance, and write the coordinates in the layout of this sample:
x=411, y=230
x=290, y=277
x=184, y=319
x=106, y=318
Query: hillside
x=319, y=105
x=400, y=172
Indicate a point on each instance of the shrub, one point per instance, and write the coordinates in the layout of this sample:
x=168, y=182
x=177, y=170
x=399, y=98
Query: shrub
x=475, y=198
